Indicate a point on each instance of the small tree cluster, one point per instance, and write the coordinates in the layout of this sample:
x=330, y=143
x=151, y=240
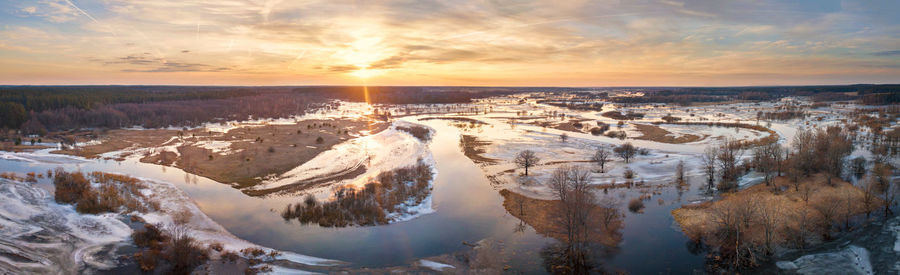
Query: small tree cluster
x=626, y=151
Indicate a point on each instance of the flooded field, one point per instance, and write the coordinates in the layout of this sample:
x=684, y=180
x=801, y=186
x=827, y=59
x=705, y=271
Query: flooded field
x=470, y=151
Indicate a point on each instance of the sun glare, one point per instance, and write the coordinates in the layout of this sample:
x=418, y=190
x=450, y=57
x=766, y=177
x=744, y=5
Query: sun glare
x=365, y=73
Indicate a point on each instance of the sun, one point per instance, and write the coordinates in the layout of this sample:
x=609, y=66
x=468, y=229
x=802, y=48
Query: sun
x=365, y=73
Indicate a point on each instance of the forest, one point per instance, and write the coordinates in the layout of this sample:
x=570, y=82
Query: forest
x=37, y=110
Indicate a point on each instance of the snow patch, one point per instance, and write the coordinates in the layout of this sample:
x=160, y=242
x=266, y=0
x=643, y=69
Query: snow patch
x=384, y=151
x=435, y=265
x=851, y=260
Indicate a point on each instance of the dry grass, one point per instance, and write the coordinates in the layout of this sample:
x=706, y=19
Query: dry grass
x=261, y=151
x=790, y=208
x=255, y=159
x=655, y=133
x=115, y=140
x=771, y=138
x=473, y=148
x=543, y=216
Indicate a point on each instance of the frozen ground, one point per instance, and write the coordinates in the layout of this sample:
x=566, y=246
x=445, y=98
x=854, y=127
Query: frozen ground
x=38, y=235
x=173, y=201
x=435, y=265
x=852, y=260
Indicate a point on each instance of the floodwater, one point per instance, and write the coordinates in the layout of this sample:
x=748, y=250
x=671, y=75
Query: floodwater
x=468, y=209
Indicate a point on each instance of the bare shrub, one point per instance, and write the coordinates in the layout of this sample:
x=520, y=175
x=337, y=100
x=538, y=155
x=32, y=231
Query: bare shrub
x=418, y=132
x=636, y=205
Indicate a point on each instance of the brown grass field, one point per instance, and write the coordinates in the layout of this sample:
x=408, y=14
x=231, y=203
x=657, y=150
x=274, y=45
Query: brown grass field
x=256, y=151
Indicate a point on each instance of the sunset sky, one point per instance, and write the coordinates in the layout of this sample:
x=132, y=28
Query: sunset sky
x=486, y=43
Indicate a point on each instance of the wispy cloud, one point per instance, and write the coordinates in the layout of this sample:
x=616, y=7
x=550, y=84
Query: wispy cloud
x=461, y=42
x=887, y=53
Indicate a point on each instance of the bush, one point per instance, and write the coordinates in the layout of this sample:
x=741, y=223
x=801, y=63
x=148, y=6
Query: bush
x=636, y=205
x=217, y=246
x=616, y=134
x=388, y=193
x=70, y=187
x=31, y=177
x=419, y=132
x=184, y=252
x=148, y=237
x=320, y=140
x=230, y=256
x=147, y=259
x=629, y=174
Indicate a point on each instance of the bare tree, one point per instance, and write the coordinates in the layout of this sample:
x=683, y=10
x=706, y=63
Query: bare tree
x=805, y=221
x=709, y=165
x=610, y=207
x=794, y=175
x=564, y=137
x=806, y=192
x=848, y=208
x=832, y=146
x=803, y=151
x=559, y=183
x=829, y=208
x=763, y=162
x=526, y=159
x=882, y=173
x=626, y=151
x=870, y=190
x=679, y=173
x=601, y=157
x=571, y=185
x=770, y=217
x=729, y=153
x=730, y=219
x=858, y=166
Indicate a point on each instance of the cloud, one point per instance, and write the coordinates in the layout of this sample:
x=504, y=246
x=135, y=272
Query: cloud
x=146, y=63
x=887, y=53
x=464, y=40
x=57, y=11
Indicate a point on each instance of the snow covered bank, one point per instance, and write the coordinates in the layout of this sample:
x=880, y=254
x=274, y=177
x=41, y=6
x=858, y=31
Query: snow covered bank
x=382, y=158
x=37, y=235
x=435, y=265
x=851, y=260
x=174, y=202
x=384, y=151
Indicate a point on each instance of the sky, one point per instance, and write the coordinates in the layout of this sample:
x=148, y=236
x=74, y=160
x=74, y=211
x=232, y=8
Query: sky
x=460, y=42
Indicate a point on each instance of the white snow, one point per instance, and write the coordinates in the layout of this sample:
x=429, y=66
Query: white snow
x=851, y=260
x=216, y=146
x=384, y=151
x=277, y=270
x=435, y=265
x=381, y=152
x=26, y=209
x=201, y=227
x=896, y=228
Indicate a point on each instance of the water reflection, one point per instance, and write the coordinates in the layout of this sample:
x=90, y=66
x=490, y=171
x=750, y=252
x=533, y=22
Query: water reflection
x=468, y=210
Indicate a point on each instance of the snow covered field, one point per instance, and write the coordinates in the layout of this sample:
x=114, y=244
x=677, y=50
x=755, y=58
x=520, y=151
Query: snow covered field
x=37, y=235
